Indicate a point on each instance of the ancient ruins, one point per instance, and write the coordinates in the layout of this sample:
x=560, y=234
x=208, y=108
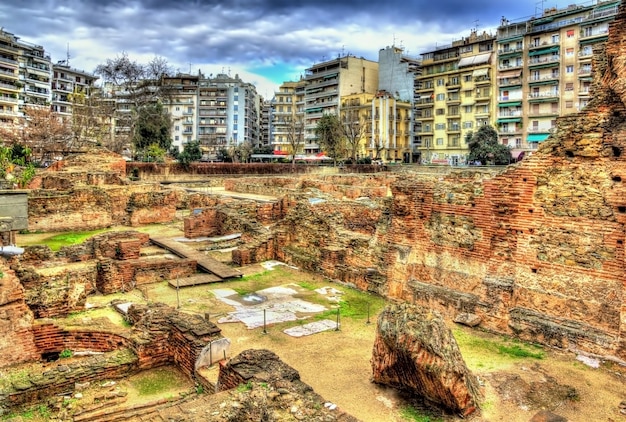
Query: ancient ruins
x=534, y=251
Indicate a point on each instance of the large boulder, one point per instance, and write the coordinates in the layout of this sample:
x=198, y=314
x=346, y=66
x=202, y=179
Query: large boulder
x=415, y=352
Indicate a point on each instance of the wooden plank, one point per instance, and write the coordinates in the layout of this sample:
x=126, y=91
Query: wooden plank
x=204, y=262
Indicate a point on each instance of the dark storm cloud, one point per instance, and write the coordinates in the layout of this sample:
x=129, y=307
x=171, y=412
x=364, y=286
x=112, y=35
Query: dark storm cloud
x=253, y=32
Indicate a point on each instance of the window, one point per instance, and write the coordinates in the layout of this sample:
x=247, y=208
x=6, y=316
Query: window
x=569, y=104
x=468, y=109
x=439, y=141
x=569, y=86
x=505, y=141
x=176, y=128
x=569, y=68
x=468, y=94
x=570, y=33
x=176, y=138
x=440, y=126
x=467, y=125
x=555, y=38
x=518, y=142
x=177, y=108
x=441, y=97
x=440, y=82
x=440, y=112
x=569, y=52
x=467, y=78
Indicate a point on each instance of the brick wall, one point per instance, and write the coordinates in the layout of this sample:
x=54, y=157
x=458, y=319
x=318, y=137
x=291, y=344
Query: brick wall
x=120, y=276
x=51, y=338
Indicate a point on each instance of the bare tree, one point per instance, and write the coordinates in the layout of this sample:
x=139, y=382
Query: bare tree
x=353, y=127
x=44, y=132
x=294, y=125
x=91, y=118
x=134, y=86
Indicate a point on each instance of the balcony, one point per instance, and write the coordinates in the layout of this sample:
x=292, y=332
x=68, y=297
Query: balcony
x=10, y=73
x=542, y=44
x=584, y=71
x=591, y=34
x=537, y=61
x=510, y=113
x=4, y=59
x=544, y=94
x=543, y=78
x=510, y=82
x=509, y=51
x=507, y=131
x=10, y=87
x=510, y=66
x=536, y=129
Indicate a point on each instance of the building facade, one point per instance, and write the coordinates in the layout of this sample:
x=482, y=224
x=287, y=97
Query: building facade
x=327, y=83
x=544, y=70
x=455, y=90
x=287, y=117
x=67, y=81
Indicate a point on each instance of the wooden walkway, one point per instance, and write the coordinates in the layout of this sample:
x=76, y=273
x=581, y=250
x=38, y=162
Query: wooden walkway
x=205, y=263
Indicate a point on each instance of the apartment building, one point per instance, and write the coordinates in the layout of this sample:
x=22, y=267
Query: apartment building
x=10, y=85
x=327, y=83
x=287, y=116
x=456, y=96
x=181, y=100
x=265, y=125
x=25, y=71
x=67, y=81
x=397, y=76
x=544, y=70
x=228, y=112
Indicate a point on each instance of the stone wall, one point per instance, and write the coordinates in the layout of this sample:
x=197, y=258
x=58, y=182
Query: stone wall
x=17, y=343
x=538, y=250
x=50, y=338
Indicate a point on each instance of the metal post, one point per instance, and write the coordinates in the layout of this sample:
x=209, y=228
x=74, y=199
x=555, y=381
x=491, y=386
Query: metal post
x=337, y=329
x=264, y=322
x=177, y=296
x=368, y=313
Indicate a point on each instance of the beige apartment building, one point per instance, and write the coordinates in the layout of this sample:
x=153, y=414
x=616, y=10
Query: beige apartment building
x=67, y=81
x=287, y=118
x=456, y=96
x=327, y=83
x=544, y=70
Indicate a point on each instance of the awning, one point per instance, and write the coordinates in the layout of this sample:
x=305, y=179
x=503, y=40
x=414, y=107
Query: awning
x=332, y=75
x=542, y=51
x=538, y=137
x=475, y=60
x=594, y=40
x=510, y=104
x=606, y=6
x=509, y=120
x=313, y=110
x=480, y=72
x=543, y=65
x=518, y=155
x=509, y=87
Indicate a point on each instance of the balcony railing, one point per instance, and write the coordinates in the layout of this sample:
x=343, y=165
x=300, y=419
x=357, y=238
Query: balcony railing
x=542, y=60
x=510, y=113
x=544, y=94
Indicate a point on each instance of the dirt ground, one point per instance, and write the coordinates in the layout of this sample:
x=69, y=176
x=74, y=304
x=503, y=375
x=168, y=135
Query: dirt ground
x=337, y=363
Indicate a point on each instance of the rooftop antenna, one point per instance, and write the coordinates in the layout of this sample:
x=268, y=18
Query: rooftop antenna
x=190, y=68
x=67, y=58
x=540, y=2
x=342, y=49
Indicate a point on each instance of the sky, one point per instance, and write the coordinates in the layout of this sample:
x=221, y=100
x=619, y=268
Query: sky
x=263, y=42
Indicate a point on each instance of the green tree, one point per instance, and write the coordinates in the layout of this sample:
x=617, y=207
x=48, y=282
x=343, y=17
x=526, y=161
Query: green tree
x=153, y=127
x=484, y=147
x=154, y=152
x=330, y=136
x=191, y=152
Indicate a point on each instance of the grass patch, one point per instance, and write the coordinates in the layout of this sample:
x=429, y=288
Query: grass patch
x=486, y=351
x=409, y=413
x=58, y=241
x=158, y=381
x=255, y=282
x=242, y=388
